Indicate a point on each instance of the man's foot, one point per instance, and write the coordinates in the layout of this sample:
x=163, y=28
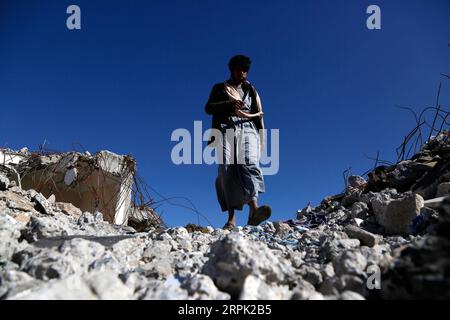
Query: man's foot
x=259, y=215
x=229, y=226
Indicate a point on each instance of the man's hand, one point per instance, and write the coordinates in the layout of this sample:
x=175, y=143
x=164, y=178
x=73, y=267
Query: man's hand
x=238, y=104
x=247, y=115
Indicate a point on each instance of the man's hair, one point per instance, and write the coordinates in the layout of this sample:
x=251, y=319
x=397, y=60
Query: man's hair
x=241, y=62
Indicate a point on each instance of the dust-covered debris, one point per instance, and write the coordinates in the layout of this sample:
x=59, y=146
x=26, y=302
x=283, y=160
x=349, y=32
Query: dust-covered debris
x=384, y=237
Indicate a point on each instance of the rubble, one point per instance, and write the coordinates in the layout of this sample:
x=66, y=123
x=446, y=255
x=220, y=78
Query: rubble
x=366, y=238
x=92, y=183
x=385, y=237
x=4, y=183
x=396, y=215
x=234, y=258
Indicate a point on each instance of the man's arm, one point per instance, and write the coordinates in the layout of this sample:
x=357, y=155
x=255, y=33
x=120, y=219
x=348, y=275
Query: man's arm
x=215, y=105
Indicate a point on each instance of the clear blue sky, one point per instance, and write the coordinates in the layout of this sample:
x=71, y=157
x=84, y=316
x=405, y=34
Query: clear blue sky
x=137, y=70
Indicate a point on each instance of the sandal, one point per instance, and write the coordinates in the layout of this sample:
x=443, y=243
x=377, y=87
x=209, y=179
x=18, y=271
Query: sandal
x=229, y=226
x=261, y=214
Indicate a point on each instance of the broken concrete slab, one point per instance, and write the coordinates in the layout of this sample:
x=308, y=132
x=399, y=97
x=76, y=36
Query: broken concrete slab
x=366, y=238
x=396, y=215
x=16, y=202
x=41, y=204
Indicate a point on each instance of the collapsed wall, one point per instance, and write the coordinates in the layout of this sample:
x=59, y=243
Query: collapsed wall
x=102, y=182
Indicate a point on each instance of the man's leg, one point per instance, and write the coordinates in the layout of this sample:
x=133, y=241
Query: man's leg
x=231, y=223
x=231, y=217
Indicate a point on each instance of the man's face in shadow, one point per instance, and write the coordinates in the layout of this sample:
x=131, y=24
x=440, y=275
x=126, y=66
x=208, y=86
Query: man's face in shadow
x=239, y=74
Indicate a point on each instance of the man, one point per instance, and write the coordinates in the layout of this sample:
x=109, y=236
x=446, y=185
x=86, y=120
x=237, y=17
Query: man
x=236, y=108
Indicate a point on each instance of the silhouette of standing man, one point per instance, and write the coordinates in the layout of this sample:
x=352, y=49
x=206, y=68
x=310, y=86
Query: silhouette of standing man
x=236, y=108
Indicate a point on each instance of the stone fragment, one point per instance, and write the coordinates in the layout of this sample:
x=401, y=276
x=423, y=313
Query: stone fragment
x=42, y=205
x=366, y=238
x=360, y=210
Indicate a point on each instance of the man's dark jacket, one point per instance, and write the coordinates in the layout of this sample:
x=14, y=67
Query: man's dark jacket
x=220, y=106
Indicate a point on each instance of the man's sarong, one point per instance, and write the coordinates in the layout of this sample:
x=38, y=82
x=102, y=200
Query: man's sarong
x=239, y=177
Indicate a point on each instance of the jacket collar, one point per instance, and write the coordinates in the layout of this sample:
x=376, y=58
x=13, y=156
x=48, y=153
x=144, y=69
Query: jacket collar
x=245, y=84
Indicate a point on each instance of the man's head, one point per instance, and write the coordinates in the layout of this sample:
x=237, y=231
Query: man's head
x=239, y=66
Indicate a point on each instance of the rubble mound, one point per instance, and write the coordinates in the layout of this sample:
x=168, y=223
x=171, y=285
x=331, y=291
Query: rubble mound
x=386, y=237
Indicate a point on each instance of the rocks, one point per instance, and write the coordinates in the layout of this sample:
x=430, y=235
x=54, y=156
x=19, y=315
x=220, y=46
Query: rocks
x=158, y=249
x=53, y=250
x=396, y=215
x=350, y=262
x=51, y=199
x=310, y=274
x=108, y=286
x=234, y=258
x=422, y=265
x=195, y=228
x=355, y=185
x=144, y=219
x=178, y=233
x=42, y=205
x=96, y=286
x=129, y=252
x=70, y=288
x=268, y=226
x=336, y=285
x=72, y=257
x=9, y=236
x=202, y=287
x=305, y=291
x=4, y=183
x=281, y=229
x=333, y=248
x=45, y=227
x=296, y=259
x=305, y=211
x=350, y=295
x=169, y=289
x=360, y=210
x=16, y=201
x=356, y=181
x=69, y=209
x=422, y=268
x=255, y=288
x=443, y=189
x=14, y=282
x=366, y=238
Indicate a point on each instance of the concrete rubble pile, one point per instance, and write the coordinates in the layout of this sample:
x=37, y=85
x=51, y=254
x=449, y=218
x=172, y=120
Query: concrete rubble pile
x=103, y=182
x=385, y=237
